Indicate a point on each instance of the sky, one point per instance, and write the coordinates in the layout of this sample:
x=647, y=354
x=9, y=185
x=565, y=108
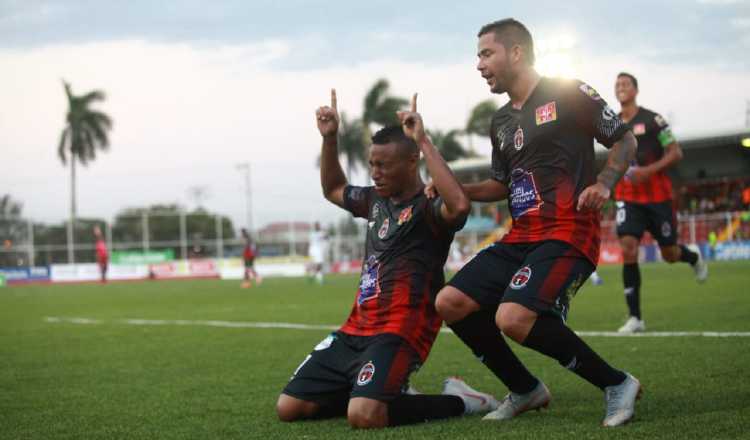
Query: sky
x=196, y=88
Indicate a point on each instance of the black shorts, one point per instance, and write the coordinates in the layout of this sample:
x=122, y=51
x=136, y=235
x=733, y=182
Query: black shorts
x=343, y=366
x=249, y=262
x=657, y=218
x=542, y=277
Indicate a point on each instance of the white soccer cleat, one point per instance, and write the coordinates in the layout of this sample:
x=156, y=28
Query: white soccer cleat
x=620, y=401
x=700, y=267
x=633, y=325
x=515, y=404
x=475, y=402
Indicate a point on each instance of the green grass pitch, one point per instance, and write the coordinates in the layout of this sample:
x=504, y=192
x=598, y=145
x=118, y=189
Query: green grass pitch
x=60, y=380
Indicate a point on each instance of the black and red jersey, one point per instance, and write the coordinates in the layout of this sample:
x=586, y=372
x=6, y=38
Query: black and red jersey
x=544, y=154
x=406, y=247
x=653, y=134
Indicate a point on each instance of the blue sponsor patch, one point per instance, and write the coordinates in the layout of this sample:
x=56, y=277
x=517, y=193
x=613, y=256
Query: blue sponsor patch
x=368, y=282
x=524, y=196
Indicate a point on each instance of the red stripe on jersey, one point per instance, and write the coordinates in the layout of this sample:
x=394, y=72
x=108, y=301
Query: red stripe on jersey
x=657, y=188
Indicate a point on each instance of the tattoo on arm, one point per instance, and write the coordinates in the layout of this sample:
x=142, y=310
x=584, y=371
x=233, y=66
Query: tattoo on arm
x=619, y=157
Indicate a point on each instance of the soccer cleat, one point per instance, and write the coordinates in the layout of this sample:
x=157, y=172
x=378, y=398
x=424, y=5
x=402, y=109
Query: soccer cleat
x=633, y=325
x=515, y=404
x=474, y=401
x=620, y=401
x=700, y=267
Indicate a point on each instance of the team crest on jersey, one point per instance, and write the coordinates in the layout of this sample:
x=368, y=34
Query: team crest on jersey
x=546, y=113
x=518, y=139
x=383, y=231
x=405, y=215
x=590, y=92
x=366, y=373
x=639, y=129
x=521, y=278
x=523, y=196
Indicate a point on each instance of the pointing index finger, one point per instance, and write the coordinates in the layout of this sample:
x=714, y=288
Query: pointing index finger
x=333, y=100
x=414, y=103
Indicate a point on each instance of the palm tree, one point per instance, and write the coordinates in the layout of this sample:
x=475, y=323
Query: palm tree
x=380, y=108
x=450, y=147
x=479, y=120
x=352, y=145
x=85, y=132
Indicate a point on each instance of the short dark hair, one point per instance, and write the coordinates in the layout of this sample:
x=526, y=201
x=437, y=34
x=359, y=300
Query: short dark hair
x=511, y=32
x=396, y=135
x=632, y=78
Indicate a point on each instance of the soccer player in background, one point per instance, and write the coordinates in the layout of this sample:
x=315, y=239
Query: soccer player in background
x=102, y=255
x=248, y=257
x=543, y=162
x=318, y=251
x=644, y=198
x=362, y=370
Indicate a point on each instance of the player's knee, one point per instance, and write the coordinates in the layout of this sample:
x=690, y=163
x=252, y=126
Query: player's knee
x=670, y=254
x=367, y=414
x=514, y=321
x=289, y=409
x=453, y=305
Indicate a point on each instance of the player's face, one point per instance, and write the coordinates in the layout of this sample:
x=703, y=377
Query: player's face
x=389, y=170
x=494, y=63
x=625, y=90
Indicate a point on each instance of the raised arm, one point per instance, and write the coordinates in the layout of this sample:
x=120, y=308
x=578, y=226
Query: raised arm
x=489, y=190
x=620, y=155
x=332, y=178
x=456, y=204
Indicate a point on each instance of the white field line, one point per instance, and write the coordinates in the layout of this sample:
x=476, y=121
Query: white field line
x=289, y=325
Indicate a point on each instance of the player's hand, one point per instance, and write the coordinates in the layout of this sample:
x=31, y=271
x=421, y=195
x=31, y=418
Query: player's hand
x=593, y=197
x=328, y=118
x=412, y=123
x=430, y=191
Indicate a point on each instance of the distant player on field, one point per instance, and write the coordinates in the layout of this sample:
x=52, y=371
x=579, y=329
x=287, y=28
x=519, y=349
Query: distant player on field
x=644, y=198
x=362, y=370
x=248, y=257
x=102, y=255
x=317, y=251
x=543, y=163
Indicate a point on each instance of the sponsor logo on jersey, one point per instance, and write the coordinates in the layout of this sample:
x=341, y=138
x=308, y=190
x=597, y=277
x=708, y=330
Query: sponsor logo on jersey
x=383, y=231
x=639, y=129
x=523, y=196
x=366, y=373
x=590, y=92
x=661, y=122
x=518, y=139
x=608, y=114
x=500, y=136
x=375, y=210
x=405, y=215
x=521, y=278
x=368, y=282
x=546, y=113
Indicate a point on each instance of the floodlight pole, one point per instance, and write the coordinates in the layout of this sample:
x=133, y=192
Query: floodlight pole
x=244, y=167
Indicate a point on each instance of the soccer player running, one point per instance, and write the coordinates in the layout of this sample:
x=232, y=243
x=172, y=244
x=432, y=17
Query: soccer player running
x=644, y=198
x=543, y=162
x=362, y=370
x=248, y=258
x=102, y=254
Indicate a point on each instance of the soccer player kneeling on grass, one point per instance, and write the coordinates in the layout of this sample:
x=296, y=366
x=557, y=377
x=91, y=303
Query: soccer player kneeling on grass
x=362, y=370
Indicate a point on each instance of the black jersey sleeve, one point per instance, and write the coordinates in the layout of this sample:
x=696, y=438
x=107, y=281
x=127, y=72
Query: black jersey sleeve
x=357, y=200
x=434, y=216
x=595, y=116
x=498, y=167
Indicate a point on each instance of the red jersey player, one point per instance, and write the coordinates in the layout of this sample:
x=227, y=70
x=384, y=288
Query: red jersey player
x=102, y=255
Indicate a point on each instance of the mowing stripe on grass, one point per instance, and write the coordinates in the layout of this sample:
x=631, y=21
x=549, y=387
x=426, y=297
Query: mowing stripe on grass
x=289, y=325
